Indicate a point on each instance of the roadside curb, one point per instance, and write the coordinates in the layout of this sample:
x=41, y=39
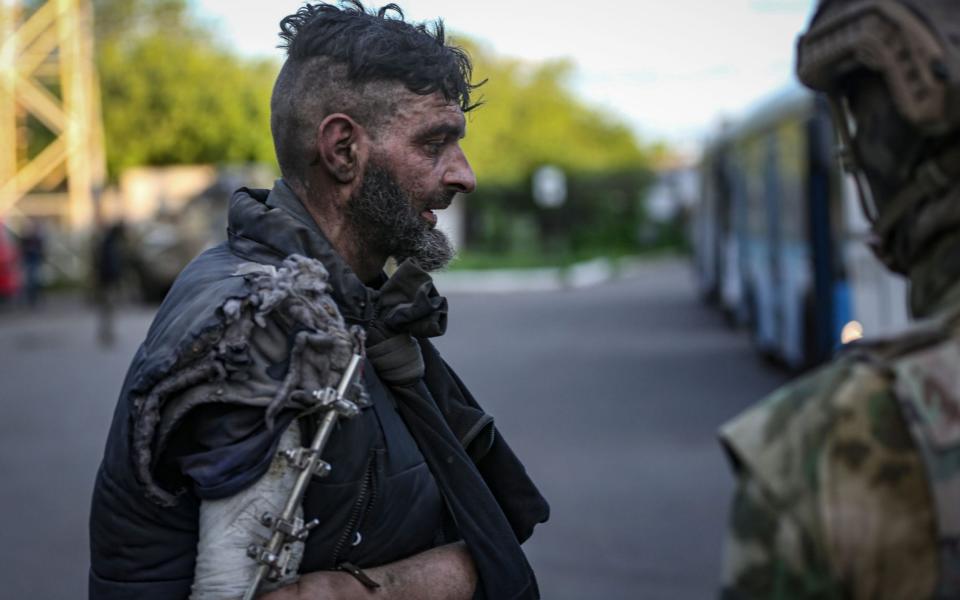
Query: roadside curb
x=547, y=279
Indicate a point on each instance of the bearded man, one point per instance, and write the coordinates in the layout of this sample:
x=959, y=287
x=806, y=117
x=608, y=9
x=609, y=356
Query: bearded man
x=424, y=499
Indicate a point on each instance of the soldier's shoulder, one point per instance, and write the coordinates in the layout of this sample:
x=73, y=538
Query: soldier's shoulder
x=923, y=364
x=919, y=337
x=778, y=439
x=927, y=383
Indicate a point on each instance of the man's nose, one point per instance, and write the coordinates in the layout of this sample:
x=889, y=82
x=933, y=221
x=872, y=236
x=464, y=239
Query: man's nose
x=459, y=175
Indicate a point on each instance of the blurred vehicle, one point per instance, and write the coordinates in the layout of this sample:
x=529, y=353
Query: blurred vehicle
x=10, y=280
x=162, y=247
x=778, y=236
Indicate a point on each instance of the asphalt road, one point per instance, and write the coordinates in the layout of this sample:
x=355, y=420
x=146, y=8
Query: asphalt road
x=610, y=395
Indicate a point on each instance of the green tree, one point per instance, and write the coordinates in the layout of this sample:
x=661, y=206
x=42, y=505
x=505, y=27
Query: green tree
x=530, y=117
x=171, y=94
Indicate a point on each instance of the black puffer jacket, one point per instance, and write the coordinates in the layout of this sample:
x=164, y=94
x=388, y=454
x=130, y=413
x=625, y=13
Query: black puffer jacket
x=380, y=486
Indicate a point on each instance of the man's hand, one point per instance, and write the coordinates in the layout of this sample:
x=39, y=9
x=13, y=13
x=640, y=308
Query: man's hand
x=444, y=573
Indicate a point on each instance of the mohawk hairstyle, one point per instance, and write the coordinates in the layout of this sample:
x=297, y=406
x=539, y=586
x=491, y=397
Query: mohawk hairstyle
x=344, y=58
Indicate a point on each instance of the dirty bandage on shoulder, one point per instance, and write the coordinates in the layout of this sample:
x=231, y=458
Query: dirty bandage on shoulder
x=274, y=347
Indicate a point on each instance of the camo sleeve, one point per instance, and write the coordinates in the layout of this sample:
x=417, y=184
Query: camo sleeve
x=767, y=552
x=832, y=498
x=875, y=509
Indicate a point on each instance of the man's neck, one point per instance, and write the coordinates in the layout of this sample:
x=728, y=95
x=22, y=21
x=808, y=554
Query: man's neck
x=363, y=263
x=336, y=228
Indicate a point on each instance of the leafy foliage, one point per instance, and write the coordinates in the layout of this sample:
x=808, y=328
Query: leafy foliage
x=603, y=214
x=531, y=118
x=171, y=94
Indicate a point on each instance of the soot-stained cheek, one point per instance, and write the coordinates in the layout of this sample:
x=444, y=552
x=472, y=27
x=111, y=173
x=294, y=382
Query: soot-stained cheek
x=417, y=194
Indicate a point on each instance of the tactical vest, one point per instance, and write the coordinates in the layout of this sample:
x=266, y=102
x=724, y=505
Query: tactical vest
x=925, y=366
x=927, y=387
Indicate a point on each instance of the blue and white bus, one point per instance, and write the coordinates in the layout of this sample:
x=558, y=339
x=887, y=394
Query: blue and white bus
x=779, y=238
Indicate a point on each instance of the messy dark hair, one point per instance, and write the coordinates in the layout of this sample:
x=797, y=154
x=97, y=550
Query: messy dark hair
x=348, y=59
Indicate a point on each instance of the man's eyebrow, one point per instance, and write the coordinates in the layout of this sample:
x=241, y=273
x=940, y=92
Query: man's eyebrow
x=443, y=129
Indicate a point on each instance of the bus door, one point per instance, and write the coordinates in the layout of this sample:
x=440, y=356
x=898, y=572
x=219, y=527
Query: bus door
x=707, y=227
x=735, y=241
x=786, y=177
x=759, y=283
x=772, y=200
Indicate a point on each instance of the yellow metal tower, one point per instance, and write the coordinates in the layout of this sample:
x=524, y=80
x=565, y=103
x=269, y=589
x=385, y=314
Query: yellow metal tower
x=47, y=76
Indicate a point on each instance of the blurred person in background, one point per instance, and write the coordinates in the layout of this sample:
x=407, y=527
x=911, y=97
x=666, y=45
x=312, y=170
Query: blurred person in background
x=9, y=267
x=110, y=257
x=425, y=498
x=33, y=252
x=849, y=478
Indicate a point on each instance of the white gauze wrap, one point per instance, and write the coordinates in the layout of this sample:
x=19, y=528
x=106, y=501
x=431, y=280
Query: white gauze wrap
x=227, y=527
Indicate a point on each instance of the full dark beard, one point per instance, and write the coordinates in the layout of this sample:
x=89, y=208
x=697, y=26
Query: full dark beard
x=385, y=221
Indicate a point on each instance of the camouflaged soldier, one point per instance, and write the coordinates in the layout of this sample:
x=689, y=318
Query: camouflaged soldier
x=849, y=479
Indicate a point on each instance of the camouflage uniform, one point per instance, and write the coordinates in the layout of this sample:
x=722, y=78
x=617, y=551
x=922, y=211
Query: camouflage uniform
x=849, y=479
x=838, y=473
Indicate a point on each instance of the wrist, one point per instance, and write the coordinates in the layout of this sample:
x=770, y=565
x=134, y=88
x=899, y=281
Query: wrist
x=359, y=574
x=330, y=585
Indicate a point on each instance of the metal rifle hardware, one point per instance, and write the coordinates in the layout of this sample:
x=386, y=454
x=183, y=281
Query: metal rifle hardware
x=274, y=556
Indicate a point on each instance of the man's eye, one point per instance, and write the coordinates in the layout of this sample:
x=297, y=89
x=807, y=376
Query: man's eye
x=433, y=148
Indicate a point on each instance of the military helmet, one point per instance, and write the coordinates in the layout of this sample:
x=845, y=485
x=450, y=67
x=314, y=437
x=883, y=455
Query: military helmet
x=912, y=49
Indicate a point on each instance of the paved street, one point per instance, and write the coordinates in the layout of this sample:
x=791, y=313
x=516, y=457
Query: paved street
x=610, y=395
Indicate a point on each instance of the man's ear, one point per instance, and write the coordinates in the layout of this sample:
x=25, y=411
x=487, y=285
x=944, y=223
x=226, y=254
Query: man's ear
x=340, y=143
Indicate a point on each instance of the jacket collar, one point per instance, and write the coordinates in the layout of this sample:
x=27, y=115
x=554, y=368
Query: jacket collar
x=267, y=226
